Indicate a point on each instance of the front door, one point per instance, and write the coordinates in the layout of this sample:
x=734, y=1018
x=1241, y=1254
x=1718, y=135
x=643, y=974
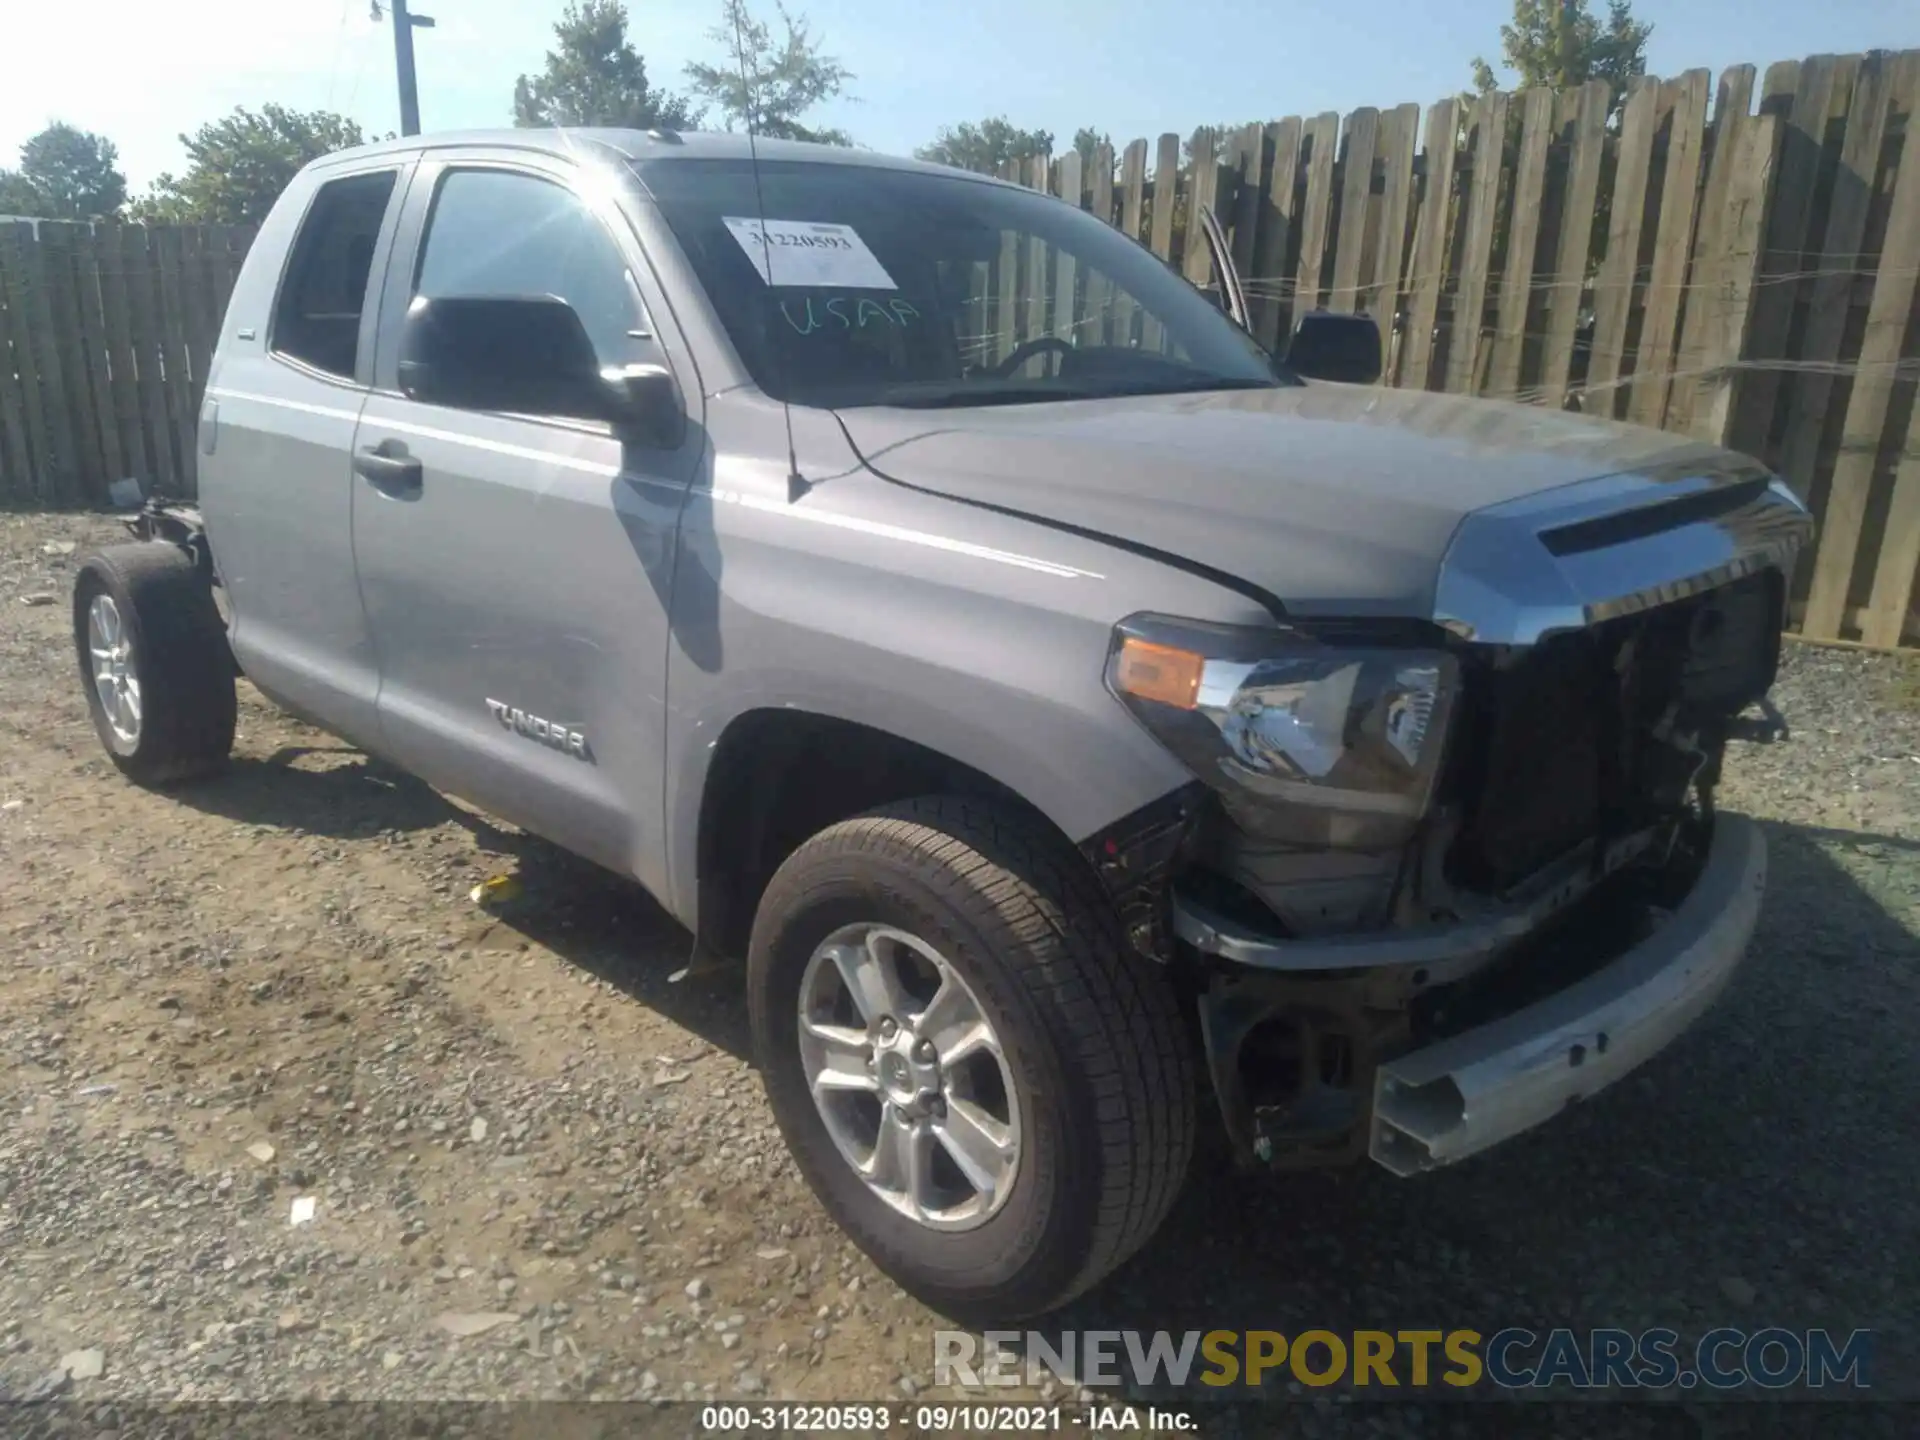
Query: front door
x=516, y=569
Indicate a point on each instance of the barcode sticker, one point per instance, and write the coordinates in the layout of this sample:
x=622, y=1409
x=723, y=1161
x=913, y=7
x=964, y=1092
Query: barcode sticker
x=809, y=252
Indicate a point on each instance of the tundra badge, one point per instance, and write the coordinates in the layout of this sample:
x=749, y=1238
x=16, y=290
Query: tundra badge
x=547, y=732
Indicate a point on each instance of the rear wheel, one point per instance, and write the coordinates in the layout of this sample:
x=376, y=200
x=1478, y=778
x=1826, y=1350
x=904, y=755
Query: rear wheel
x=155, y=662
x=987, y=1089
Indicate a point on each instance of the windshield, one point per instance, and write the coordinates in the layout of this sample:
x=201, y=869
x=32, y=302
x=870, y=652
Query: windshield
x=870, y=286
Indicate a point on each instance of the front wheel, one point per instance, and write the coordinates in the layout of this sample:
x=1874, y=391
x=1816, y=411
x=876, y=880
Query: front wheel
x=991, y=1094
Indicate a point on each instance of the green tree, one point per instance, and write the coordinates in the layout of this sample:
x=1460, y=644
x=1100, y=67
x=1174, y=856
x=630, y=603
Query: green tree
x=17, y=197
x=1562, y=44
x=65, y=174
x=594, y=76
x=986, y=146
x=1088, y=140
x=237, y=166
x=766, y=85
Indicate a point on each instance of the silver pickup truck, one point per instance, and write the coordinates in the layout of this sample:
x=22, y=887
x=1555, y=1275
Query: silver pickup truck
x=927, y=594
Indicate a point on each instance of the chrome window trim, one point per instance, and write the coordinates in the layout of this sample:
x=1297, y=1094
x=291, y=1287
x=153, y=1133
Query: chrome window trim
x=1499, y=584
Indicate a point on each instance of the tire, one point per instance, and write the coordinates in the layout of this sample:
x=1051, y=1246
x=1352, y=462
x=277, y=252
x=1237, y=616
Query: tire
x=1102, y=1076
x=175, y=654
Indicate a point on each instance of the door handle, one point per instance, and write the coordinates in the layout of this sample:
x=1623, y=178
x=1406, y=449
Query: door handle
x=390, y=469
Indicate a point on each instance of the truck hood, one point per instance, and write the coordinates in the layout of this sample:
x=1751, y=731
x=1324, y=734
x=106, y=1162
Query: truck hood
x=1334, y=499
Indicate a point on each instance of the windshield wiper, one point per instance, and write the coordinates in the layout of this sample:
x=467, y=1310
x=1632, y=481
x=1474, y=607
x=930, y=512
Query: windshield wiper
x=965, y=396
x=1194, y=386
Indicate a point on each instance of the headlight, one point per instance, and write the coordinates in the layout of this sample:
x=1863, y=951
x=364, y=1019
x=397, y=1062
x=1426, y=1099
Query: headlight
x=1282, y=721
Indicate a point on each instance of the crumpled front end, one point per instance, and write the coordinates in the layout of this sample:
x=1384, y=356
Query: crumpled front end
x=1456, y=1097
x=1570, y=901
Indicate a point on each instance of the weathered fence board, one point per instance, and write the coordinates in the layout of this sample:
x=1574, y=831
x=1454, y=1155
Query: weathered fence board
x=117, y=304
x=1250, y=164
x=1672, y=245
x=1361, y=141
x=1587, y=122
x=63, y=299
x=1430, y=244
x=1399, y=138
x=1798, y=92
x=1828, y=273
x=1165, y=195
x=50, y=433
x=1613, y=290
x=1899, y=551
x=1066, y=314
x=1099, y=288
x=175, y=361
x=1165, y=199
x=1279, y=233
x=1202, y=194
x=93, y=341
x=1322, y=142
x=18, y=408
x=1727, y=164
x=1133, y=217
x=1889, y=319
x=1720, y=311
x=1488, y=130
x=1515, y=296
x=143, y=260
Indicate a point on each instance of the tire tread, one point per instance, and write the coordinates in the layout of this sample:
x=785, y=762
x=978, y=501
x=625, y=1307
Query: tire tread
x=189, y=706
x=1113, y=1010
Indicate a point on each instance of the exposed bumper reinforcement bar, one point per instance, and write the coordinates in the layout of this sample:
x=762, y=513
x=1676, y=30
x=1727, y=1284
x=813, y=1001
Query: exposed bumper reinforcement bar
x=1455, y=1098
x=1443, y=951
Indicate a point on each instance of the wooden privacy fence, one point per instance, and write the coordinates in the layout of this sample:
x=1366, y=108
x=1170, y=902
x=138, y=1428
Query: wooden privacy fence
x=1735, y=267
x=105, y=335
x=1735, y=263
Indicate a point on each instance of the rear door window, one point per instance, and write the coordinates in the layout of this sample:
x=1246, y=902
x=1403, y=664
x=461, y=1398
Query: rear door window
x=324, y=292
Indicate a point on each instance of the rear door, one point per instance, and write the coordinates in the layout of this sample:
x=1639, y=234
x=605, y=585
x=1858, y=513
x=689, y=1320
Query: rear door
x=276, y=432
x=516, y=569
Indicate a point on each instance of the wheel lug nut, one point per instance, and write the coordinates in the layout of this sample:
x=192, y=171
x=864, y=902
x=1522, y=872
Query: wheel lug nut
x=925, y=1053
x=887, y=1028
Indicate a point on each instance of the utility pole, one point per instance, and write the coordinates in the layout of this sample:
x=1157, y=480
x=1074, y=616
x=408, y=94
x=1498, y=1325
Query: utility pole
x=403, y=25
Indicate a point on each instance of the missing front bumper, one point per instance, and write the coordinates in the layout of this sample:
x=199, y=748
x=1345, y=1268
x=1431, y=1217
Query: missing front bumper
x=1455, y=1098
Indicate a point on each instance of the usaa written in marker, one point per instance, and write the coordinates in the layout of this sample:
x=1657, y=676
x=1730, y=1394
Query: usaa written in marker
x=844, y=312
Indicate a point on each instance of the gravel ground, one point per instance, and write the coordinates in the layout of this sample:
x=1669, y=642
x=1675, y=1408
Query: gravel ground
x=274, y=988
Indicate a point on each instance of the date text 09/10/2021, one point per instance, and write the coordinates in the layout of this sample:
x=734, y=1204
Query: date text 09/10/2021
x=942, y=1419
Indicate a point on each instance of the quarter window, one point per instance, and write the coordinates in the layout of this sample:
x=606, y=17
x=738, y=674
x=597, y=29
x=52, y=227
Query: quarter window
x=317, y=320
x=499, y=234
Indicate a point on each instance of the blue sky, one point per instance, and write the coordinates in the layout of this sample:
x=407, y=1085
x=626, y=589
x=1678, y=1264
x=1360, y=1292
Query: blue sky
x=142, y=72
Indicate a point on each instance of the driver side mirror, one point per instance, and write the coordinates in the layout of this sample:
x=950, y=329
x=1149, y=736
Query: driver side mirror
x=530, y=355
x=1327, y=345
x=646, y=405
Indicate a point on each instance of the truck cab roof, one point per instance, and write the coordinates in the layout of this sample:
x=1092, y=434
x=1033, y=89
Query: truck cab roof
x=630, y=145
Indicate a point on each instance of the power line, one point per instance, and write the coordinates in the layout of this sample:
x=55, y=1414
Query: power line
x=339, y=41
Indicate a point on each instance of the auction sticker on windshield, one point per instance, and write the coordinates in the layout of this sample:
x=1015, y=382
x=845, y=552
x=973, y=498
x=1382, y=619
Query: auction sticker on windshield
x=809, y=252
